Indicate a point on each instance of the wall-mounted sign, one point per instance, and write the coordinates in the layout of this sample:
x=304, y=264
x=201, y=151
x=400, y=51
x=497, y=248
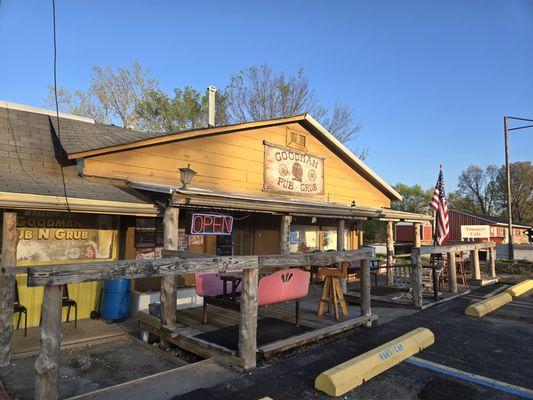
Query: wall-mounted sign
x=291, y=171
x=211, y=224
x=475, y=232
x=50, y=237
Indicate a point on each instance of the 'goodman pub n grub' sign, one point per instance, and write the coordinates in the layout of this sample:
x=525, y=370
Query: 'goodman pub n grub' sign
x=292, y=171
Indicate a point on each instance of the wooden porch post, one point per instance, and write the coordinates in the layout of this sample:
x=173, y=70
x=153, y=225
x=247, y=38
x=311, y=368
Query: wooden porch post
x=248, y=318
x=365, y=291
x=452, y=272
x=390, y=252
x=341, y=245
x=284, y=232
x=7, y=283
x=416, y=278
x=417, y=234
x=169, y=283
x=47, y=363
x=492, y=253
x=474, y=263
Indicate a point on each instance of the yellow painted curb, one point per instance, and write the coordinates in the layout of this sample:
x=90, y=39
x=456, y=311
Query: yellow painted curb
x=352, y=373
x=520, y=288
x=486, y=306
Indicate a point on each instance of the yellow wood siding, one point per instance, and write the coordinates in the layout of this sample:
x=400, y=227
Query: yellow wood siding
x=85, y=294
x=232, y=162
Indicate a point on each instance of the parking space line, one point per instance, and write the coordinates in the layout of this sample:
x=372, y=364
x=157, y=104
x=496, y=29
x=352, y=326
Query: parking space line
x=467, y=376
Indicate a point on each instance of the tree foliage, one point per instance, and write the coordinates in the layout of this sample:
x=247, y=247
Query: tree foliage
x=415, y=199
x=187, y=109
x=479, y=189
x=259, y=93
x=485, y=191
x=113, y=95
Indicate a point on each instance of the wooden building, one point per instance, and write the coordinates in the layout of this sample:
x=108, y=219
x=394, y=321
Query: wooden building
x=474, y=227
x=286, y=185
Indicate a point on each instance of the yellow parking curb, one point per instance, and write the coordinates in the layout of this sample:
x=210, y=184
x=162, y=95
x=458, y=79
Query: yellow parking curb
x=486, y=306
x=352, y=373
x=520, y=288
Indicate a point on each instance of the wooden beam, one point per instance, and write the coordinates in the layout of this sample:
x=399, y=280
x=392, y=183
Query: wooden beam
x=47, y=363
x=365, y=292
x=169, y=283
x=315, y=259
x=248, y=319
x=474, y=264
x=129, y=269
x=416, y=276
x=493, y=262
x=452, y=272
x=455, y=247
x=390, y=251
x=7, y=284
x=284, y=233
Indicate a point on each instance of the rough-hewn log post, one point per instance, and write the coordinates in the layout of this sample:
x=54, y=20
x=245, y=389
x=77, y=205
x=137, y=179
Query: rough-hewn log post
x=47, y=364
x=7, y=284
x=417, y=234
x=169, y=283
x=284, y=233
x=416, y=276
x=492, y=253
x=390, y=252
x=341, y=245
x=248, y=318
x=474, y=263
x=452, y=272
x=365, y=291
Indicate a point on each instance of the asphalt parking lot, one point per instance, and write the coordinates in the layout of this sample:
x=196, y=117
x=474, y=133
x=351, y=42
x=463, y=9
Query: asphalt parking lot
x=497, y=347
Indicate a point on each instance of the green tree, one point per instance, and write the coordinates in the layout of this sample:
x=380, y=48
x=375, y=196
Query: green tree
x=478, y=190
x=521, y=191
x=415, y=199
x=187, y=109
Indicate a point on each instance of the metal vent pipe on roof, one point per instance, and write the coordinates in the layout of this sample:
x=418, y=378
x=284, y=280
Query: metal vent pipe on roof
x=211, y=92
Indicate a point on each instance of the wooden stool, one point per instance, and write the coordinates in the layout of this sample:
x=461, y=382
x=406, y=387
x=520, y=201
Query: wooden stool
x=332, y=292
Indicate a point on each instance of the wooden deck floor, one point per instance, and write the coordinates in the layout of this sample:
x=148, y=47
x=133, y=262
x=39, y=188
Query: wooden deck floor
x=184, y=333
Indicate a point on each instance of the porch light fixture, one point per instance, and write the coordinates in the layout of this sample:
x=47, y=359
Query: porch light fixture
x=186, y=175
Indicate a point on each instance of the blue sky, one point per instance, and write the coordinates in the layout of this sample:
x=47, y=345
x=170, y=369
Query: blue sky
x=430, y=81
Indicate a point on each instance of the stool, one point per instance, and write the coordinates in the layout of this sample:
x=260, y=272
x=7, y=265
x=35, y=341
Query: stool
x=332, y=292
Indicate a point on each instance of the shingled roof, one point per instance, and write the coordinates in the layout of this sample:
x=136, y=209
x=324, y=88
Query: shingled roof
x=29, y=162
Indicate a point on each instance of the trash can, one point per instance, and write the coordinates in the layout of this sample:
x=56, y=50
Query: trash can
x=116, y=301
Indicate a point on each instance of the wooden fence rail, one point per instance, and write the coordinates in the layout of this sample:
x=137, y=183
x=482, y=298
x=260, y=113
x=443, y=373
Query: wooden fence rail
x=54, y=276
x=450, y=250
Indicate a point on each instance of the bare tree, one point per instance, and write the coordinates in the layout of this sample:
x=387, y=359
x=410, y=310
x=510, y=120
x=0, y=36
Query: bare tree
x=112, y=95
x=258, y=93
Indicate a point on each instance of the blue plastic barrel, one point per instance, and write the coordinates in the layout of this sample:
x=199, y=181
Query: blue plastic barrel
x=116, y=301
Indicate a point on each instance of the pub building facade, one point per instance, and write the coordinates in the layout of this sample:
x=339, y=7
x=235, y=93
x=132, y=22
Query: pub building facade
x=262, y=187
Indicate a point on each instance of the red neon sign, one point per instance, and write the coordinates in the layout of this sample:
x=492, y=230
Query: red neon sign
x=211, y=224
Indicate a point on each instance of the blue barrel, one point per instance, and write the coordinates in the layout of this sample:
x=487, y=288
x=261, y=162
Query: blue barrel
x=116, y=301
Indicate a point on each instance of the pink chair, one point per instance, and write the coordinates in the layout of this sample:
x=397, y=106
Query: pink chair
x=285, y=285
x=209, y=285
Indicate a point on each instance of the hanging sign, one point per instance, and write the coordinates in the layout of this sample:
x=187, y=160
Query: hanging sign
x=291, y=171
x=211, y=224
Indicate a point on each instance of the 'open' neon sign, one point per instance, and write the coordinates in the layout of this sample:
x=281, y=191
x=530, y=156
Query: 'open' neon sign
x=211, y=224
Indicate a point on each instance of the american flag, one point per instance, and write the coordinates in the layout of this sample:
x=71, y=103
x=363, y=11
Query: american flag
x=438, y=203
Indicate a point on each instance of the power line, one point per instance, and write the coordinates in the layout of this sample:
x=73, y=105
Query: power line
x=57, y=108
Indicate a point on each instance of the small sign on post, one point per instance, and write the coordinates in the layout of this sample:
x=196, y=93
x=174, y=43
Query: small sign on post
x=475, y=232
